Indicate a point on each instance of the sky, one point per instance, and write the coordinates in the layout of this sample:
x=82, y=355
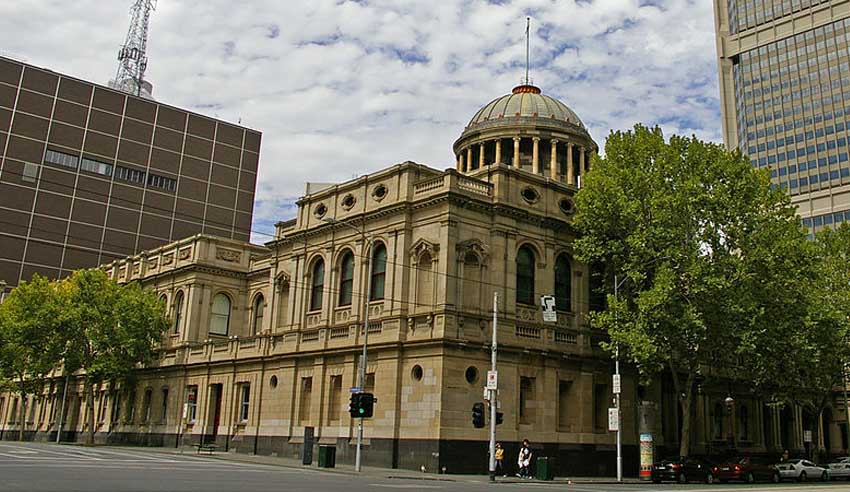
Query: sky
x=341, y=88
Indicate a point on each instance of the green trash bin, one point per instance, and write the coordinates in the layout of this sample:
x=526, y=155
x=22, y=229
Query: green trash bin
x=327, y=456
x=545, y=469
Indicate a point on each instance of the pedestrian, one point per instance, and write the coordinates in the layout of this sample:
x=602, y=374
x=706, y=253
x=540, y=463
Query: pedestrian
x=524, y=460
x=786, y=455
x=500, y=455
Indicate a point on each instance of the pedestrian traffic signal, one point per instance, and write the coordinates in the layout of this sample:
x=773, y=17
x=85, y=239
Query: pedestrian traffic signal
x=499, y=416
x=478, y=415
x=361, y=405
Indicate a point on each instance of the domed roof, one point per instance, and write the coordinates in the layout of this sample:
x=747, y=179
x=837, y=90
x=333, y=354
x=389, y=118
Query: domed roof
x=525, y=101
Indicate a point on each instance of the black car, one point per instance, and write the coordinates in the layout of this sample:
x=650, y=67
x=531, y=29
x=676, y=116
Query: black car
x=683, y=470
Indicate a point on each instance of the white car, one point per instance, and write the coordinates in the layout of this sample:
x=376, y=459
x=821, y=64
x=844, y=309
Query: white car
x=840, y=468
x=801, y=470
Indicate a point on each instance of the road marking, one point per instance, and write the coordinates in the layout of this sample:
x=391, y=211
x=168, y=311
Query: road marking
x=393, y=486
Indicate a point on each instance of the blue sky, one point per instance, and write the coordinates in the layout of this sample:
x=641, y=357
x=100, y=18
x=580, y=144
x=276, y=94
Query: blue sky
x=342, y=88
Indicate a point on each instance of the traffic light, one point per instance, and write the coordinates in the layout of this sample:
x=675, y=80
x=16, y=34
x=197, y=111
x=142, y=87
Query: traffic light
x=499, y=416
x=361, y=405
x=478, y=415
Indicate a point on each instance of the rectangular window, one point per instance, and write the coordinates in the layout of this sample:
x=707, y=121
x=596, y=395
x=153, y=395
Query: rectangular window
x=306, y=399
x=161, y=182
x=101, y=412
x=564, y=388
x=526, y=398
x=244, y=402
x=61, y=159
x=334, y=393
x=30, y=173
x=130, y=175
x=600, y=407
x=192, y=403
x=131, y=406
x=94, y=166
x=116, y=407
x=13, y=415
x=164, y=412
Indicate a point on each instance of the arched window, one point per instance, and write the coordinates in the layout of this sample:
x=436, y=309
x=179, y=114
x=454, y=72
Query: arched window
x=563, y=283
x=346, y=278
x=178, y=311
x=220, y=315
x=259, y=307
x=317, y=285
x=525, y=276
x=379, y=272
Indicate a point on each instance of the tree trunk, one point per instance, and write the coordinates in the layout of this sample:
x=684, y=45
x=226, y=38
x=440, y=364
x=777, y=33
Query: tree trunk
x=685, y=444
x=22, y=414
x=90, y=411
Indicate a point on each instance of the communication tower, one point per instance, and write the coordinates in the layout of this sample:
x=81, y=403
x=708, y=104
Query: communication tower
x=132, y=57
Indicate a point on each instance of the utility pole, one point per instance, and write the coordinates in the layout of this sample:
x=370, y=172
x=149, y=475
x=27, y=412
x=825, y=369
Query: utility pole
x=493, y=392
x=617, y=395
x=363, y=357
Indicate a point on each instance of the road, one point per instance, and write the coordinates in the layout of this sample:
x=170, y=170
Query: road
x=41, y=467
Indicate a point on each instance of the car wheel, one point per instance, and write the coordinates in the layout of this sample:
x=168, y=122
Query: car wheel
x=802, y=476
x=709, y=479
x=824, y=477
x=682, y=478
x=750, y=478
x=775, y=478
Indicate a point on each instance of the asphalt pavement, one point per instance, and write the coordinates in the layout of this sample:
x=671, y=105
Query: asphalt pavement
x=43, y=467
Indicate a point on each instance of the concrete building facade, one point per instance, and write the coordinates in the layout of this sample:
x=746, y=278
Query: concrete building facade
x=785, y=97
x=89, y=174
x=265, y=340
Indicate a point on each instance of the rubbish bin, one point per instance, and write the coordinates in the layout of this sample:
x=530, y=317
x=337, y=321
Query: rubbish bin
x=327, y=456
x=545, y=468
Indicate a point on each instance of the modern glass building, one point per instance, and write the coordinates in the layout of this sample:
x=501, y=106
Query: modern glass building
x=785, y=97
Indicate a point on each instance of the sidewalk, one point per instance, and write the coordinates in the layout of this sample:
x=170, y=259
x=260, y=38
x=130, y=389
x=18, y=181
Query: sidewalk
x=400, y=474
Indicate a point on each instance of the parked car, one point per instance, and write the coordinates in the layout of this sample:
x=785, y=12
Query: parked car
x=747, y=469
x=840, y=468
x=802, y=470
x=683, y=470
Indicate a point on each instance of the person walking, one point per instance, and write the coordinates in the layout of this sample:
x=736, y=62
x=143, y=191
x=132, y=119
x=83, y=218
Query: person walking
x=500, y=455
x=524, y=460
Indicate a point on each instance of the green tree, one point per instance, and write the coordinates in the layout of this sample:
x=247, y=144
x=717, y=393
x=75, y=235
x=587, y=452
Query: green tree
x=110, y=330
x=706, y=247
x=29, y=347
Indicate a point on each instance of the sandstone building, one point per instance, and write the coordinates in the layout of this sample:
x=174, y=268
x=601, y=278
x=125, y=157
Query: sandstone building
x=266, y=339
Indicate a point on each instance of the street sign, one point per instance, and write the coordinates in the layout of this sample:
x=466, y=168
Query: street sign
x=547, y=304
x=613, y=419
x=354, y=390
x=807, y=436
x=492, y=380
x=616, y=384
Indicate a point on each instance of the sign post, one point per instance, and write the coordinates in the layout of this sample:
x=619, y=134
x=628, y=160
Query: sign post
x=613, y=419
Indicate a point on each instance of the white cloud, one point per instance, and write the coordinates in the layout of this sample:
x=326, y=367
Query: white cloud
x=342, y=88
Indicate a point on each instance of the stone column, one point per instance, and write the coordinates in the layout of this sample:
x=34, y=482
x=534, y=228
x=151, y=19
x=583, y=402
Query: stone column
x=499, y=151
x=469, y=159
x=481, y=155
x=535, y=156
x=553, y=162
x=582, y=163
x=570, y=177
x=460, y=163
x=516, y=152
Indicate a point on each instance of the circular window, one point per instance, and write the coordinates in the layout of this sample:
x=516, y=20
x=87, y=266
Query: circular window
x=379, y=192
x=416, y=373
x=566, y=206
x=320, y=210
x=348, y=201
x=273, y=382
x=530, y=195
x=471, y=375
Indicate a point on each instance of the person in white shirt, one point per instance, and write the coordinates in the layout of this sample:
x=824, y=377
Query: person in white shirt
x=524, y=460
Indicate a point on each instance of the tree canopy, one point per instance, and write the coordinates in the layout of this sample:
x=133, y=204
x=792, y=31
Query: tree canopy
x=709, y=255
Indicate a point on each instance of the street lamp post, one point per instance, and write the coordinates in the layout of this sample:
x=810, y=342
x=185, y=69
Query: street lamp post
x=617, y=394
x=730, y=408
x=367, y=244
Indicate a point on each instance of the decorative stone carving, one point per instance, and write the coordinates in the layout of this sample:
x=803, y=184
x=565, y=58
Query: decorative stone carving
x=229, y=255
x=474, y=246
x=422, y=246
x=137, y=267
x=184, y=254
x=167, y=259
x=153, y=263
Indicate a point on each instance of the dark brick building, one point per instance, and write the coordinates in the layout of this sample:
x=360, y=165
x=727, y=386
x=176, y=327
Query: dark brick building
x=89, y=174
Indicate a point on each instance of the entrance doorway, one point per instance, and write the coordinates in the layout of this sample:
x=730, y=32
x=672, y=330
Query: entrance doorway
x=214, y=410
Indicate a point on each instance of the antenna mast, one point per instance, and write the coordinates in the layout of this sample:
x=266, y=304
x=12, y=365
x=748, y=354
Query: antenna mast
x=527, y=43
x=132, y=57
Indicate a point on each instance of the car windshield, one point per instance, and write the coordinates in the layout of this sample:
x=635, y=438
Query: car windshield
x=790, y=462
x=840, y=460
